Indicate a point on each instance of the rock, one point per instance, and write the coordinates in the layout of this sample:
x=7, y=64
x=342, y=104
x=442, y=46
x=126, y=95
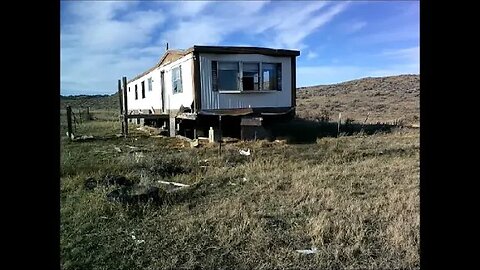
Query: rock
x=117, y=180
x=90, y=183
x=136, y=194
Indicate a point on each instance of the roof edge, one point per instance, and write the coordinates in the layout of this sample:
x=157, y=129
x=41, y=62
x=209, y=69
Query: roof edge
x=243, y=50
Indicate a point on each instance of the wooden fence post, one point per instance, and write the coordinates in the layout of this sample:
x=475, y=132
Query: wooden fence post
x=220, y=135
x=339, y=122
x=121, y=105
x=69, y=122
x=125, y=110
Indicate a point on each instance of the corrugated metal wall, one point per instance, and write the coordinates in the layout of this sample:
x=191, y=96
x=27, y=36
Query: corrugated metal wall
x=215, y=100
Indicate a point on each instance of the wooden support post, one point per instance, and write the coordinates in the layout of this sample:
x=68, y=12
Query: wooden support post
x=69, y=122
x=220, y=135
x=339, y=122
x=125, y=110
x=121, y=105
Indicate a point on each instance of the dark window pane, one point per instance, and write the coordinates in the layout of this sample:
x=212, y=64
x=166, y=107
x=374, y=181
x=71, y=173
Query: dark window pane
x=250, y=76
x=228, y=76
x=271, y=78
x=214, y=76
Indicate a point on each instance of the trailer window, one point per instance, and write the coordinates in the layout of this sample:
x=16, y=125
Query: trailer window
x=228, y=75
x=143, y=89
x=136, y=91
x=271, y=76
x=177, y=80
x=250, y=77
x=149, y=84
x=246, y=76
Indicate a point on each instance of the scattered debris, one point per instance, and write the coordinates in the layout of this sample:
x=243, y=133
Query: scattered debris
x=244, y=153
x=117, y=149
x=135, y=194
x=120, y=180
x=137, y=241
x=229, y=140
x=244, y=179
x=132, y=147
x=308, y=251
x=173, y=183
x=231, y=184
x=138, y=156
x=82, y=138
x=71, y=136
x=194, y=143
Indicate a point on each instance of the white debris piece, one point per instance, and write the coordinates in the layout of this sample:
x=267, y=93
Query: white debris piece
x=173, y=183
x=245, y=153
x=244, y=179
x=117, y=149
x=136, y=240
x=308, y=251
x=138, y=156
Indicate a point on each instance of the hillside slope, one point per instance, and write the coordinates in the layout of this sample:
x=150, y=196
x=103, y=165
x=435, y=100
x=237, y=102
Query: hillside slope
x=382, y=99
x=95, y=102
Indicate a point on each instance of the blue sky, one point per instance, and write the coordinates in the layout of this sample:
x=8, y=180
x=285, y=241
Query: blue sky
x=101, y=41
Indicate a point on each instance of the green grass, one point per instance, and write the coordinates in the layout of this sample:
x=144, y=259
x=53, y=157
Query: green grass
x=354, y=198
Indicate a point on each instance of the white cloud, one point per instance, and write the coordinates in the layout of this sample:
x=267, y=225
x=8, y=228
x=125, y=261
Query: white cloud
x=312, y=55
x=104, y=40
x=356, y=26
x=407, y=54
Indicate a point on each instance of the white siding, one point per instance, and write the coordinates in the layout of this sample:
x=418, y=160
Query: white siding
x=174, y=101
x=215, y=100
x=154, y=98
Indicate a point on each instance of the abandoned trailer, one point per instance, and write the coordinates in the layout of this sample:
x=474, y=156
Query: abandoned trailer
x=234, y=91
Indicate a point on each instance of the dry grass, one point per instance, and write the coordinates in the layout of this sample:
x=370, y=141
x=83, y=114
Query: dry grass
x=355, y=198
x=383, y=99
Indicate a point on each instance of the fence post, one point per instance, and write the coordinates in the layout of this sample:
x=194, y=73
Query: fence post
x=69, y=122
x=125, y=111
x=339, y=122
x=220, y=135
x=121, y=105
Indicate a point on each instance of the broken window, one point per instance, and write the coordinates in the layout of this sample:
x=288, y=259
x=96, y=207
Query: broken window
x=136, y=91
x=250, y=77
x=149, y=84
x=143, y=89
x=255, y=76
x=129, y=89
x=272, y=76
x=228, y=75
x=177, y=80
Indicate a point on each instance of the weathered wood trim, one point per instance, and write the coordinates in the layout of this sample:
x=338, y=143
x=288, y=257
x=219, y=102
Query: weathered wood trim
x=196, y=83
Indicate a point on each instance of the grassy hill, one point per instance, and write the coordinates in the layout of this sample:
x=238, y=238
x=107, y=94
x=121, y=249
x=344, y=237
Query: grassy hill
x=382, y=99
x=95, y=102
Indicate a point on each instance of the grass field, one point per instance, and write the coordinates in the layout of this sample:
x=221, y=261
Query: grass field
x=353, y=198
